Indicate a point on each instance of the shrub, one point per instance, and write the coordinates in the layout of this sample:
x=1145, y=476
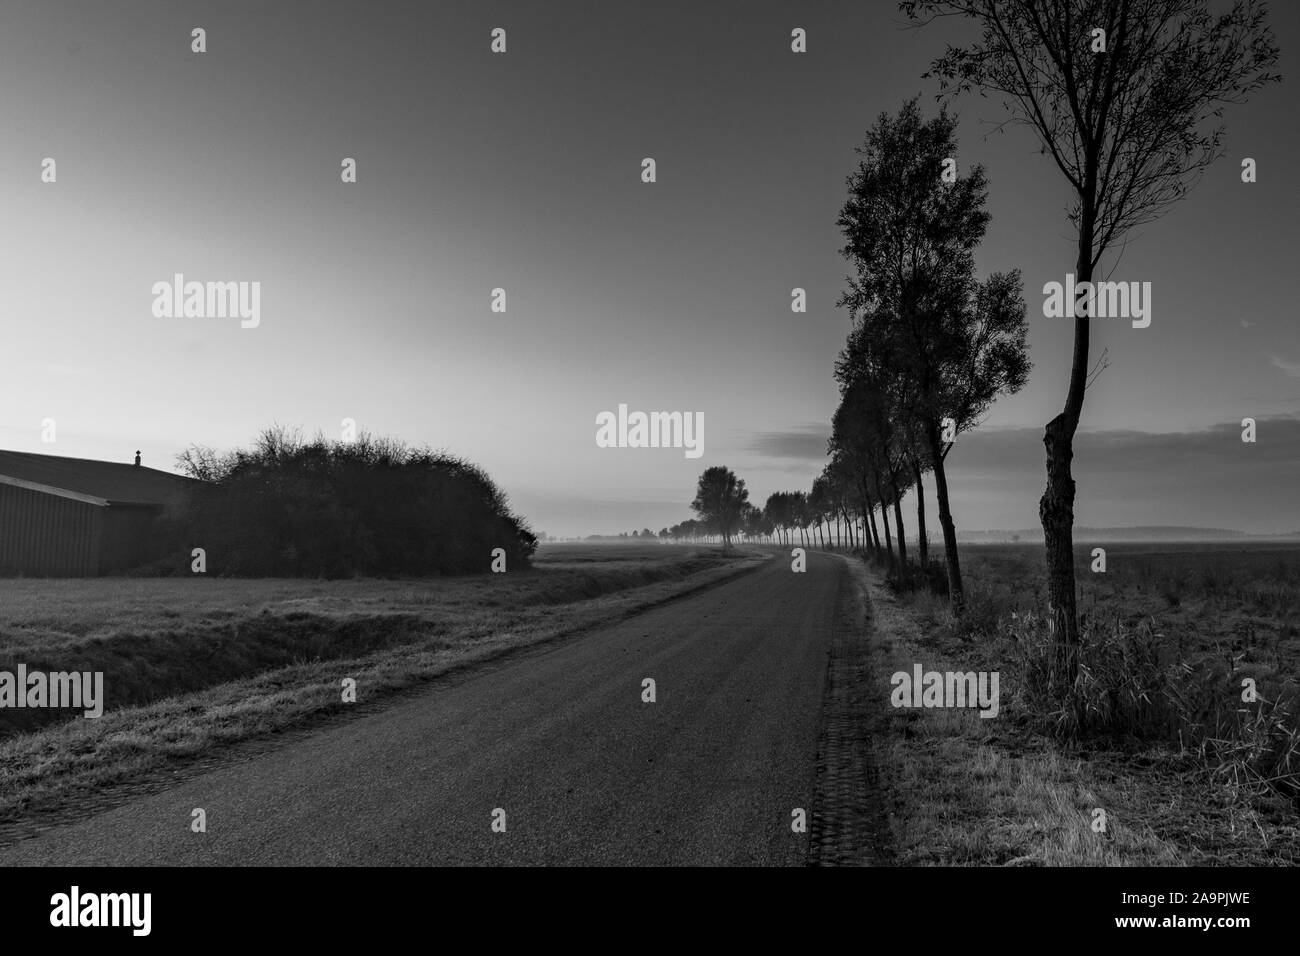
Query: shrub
x=289, y=508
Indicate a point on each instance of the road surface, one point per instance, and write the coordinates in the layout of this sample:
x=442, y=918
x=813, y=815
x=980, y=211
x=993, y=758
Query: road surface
x=557, y=737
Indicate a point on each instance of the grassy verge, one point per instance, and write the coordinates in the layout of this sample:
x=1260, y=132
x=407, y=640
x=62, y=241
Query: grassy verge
x=260, y=657
x=972, y=791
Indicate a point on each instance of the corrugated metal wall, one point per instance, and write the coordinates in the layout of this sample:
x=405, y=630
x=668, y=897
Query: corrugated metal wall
x=127, y=539
x=44, y=534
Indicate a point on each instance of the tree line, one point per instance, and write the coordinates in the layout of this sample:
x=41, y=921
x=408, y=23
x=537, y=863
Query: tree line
x=1125, y=99
x=931, y=346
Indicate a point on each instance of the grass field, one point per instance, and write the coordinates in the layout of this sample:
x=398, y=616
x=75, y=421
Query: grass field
x=191, y=665
x=1214, y=614
x=1212, y=590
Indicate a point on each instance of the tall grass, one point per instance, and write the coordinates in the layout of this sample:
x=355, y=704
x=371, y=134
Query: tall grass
x=1169, y=634
x=1133, y=687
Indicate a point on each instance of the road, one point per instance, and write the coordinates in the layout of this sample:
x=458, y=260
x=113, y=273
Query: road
x=558, y=737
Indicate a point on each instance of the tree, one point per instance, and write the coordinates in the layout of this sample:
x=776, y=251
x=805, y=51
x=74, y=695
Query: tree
x=1126, y=123
x=801, y=515
x=819, y=503
x=777, y=508
x=720, y=500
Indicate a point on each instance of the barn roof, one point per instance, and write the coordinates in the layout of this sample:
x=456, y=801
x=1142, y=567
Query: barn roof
x=114, y=482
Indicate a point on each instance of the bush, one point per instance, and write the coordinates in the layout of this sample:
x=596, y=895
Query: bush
x=289, y=508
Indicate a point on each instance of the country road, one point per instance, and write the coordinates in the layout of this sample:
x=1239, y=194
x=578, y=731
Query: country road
x=557, y=736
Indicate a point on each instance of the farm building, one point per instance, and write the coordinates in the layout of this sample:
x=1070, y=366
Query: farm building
x=73, y=517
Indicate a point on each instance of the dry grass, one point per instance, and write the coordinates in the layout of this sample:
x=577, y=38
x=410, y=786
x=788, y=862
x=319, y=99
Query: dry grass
x=972, y=791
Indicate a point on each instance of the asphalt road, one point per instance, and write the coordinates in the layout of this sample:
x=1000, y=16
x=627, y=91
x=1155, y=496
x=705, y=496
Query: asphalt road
x=558, y=737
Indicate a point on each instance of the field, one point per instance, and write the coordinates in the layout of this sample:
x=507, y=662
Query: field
x=1211, y=592
x=1212, y=615
x=193, y=665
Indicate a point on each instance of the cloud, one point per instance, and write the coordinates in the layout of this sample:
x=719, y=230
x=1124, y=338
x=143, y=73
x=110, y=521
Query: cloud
x=1291, y=368
x=806, y=443
x=1121, y=451
x=1203, y=478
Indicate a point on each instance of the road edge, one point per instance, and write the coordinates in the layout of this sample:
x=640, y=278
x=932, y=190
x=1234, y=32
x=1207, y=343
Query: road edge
x=850, y=823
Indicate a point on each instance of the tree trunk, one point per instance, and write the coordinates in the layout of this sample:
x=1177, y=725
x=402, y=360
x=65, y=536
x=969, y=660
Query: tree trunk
x=1056, y=508
x=875, y=532
x=921, y=542
x=898, y=525
x=889, y=539
x=956, y=592
x=1056, y=511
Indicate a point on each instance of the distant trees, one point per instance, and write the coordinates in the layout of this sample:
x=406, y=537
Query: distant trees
x=755, y=524
x=933, y=345
x=720, y=499
x=1122, y=95
x=289, y=507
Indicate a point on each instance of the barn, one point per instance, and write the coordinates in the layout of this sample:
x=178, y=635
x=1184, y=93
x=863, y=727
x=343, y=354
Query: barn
x=74, y=517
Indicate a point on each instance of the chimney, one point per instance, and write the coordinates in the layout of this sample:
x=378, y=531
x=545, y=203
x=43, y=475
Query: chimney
x=137, y=458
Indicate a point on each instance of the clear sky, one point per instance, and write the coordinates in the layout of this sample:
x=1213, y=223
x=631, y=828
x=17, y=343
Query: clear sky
x=523, y=171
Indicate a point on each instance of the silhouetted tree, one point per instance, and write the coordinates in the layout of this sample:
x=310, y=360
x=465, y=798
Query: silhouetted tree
x=720, y=498
x=1128, y=125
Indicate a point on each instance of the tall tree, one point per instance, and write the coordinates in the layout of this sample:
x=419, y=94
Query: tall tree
x=819, y=501
x=720, y=499
x=1130, y=122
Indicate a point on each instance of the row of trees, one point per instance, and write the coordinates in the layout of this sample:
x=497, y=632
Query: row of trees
x=1124, y=97
x=932, y=344
x=826, y=516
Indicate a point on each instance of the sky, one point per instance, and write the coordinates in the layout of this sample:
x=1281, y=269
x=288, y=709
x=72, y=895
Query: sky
x=523, y=171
